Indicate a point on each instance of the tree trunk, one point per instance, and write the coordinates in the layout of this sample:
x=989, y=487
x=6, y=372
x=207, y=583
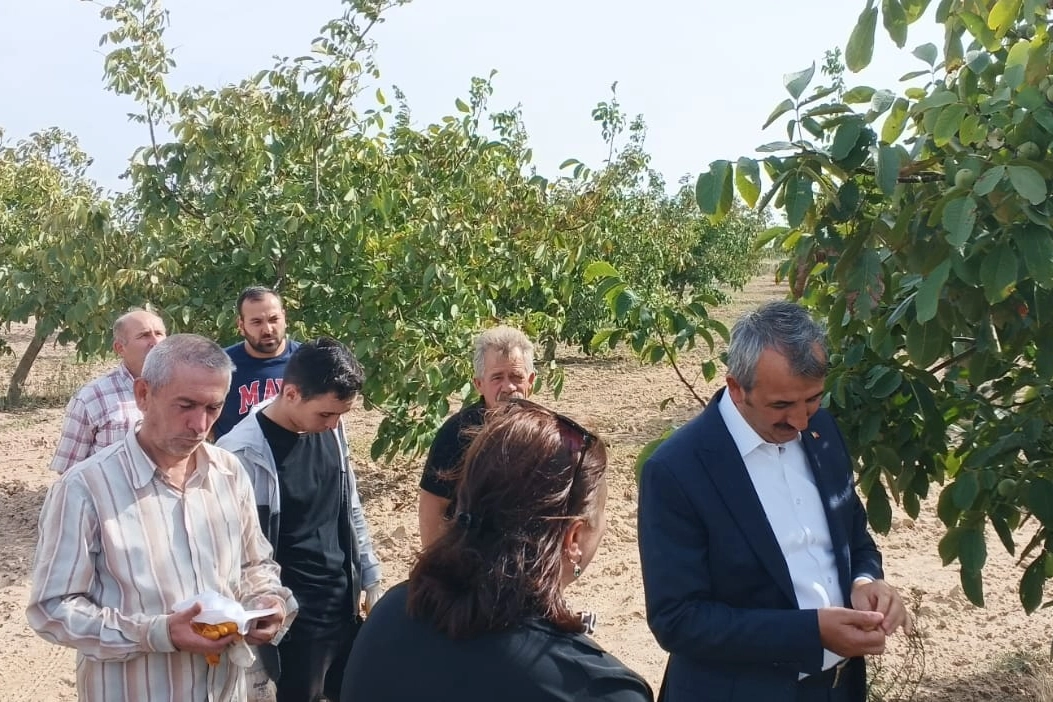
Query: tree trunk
x=18, y=378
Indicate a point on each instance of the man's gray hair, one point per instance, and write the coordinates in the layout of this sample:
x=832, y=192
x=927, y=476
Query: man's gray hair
x=184, y=350
x=781, y=326
x=120, y=322
x=505, y=340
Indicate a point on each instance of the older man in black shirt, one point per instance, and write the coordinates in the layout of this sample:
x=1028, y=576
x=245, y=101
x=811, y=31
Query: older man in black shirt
x=504, y=368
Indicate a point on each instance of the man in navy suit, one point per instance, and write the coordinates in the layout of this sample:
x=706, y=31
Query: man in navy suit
x=760, y=577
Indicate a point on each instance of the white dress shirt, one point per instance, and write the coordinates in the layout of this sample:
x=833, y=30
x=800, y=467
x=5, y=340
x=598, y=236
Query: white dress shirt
x=786, y=487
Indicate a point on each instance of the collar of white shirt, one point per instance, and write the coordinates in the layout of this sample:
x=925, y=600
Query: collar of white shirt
x=745, y=437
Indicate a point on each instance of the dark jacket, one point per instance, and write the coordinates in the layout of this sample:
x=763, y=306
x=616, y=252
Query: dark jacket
x=717, y=588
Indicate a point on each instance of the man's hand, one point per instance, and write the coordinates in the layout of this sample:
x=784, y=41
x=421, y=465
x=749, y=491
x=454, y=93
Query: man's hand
x=184, y=638
x=879, y=596
x=851, y=633
x=264, y=629
x=373, y=593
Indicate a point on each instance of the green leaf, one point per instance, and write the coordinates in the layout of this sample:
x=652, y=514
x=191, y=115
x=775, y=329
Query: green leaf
x=709, y=191
x=1029, y=183
x=796, y=82
x=998, y=272
x=798, y=199
x=914, y=74
x=914, y=9
x=948, y=546
x=879, y=511
x=978, y=28
x=947, y=123
x=888, y=162
x=895, y=21
x=959, y=218
x=1003, y=15
x=964, y=490
x=845, y=139
x=1040, y=500
x=989, y=180
x=928, y=298
x=645, y=453
x=895, y=122
x=1035, y=245
x=568, y=163
x=879, y=104
x=886, y=383
x=747, y=180
x=973, y=586
x=927, y=53
x=462, y=105
x=972, y=549
x=625, y=303
x=925, y=343
x=1032, y=582
x=1016, y=63
x=780, y=109
x=973, y=130
x=859, y=94
x=600, y=269
x=1005, y=534
x=867, y=278
x=860, y=48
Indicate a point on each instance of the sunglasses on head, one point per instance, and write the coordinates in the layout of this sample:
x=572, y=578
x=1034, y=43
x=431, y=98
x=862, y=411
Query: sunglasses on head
x=575, y=437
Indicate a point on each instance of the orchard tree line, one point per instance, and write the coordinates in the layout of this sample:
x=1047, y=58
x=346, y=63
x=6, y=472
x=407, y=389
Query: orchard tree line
x=404, y=241
x=919, y=224
x=916, y=221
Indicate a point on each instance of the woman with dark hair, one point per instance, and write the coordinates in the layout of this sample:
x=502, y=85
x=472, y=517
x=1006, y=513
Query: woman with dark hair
x=482, y=616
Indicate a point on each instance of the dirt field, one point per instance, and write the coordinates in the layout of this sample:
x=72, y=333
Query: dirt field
x=995, y=653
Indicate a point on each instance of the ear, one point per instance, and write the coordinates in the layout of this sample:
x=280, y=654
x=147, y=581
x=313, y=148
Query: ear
x=738, y=394
x=141, y=389
x=290, y=392
x=118, y=347
x=572, y=539
x=241, y=324
x=531, y=379
x=477, y=383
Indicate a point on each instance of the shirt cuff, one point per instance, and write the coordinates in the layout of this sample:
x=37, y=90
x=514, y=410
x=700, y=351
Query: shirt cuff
x=158, y=639
x=862, y=579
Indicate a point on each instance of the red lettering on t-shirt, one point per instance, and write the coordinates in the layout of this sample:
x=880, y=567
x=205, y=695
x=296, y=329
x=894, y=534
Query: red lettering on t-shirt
x=274, y=386
x=250, y=395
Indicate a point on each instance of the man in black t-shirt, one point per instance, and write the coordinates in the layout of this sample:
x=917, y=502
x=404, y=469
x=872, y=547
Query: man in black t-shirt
x=503, y=363
x=295, y=451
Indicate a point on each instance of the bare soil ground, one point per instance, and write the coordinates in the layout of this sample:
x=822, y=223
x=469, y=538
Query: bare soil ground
x=994, y=653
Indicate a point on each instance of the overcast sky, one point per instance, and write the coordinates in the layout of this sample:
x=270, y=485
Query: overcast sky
x=704, y=74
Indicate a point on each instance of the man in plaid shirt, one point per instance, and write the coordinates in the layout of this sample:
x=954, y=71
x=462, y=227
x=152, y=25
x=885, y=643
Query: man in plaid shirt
x=103, y=411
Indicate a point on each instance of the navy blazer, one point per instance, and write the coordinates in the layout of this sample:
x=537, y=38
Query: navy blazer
x=718, y=591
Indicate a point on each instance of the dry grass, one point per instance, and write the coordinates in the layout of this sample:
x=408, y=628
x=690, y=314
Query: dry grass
x=1043, y=685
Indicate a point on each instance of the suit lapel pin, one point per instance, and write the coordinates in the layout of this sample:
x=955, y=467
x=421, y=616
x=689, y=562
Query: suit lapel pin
x=815, y=435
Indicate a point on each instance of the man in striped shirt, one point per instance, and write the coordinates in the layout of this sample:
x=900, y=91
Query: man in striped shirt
x=103, y=411
x=146, y=523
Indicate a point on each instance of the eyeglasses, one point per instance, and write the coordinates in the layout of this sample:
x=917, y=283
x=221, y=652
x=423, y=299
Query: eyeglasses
x=575, y=437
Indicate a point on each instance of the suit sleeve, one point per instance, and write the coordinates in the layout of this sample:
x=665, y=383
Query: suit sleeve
x=866, y=558
x=682, y=611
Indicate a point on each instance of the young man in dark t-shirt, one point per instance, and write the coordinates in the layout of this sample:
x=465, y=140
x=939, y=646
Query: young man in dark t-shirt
x=259, y=360
x=503, y=364
x=295, y=452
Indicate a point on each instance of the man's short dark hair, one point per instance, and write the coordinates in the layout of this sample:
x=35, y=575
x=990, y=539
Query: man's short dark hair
x=324, y=366
x=255, y=292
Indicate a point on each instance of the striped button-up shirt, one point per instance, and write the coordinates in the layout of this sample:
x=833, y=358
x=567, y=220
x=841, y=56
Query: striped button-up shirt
x=118, y=547
x=99, y=414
